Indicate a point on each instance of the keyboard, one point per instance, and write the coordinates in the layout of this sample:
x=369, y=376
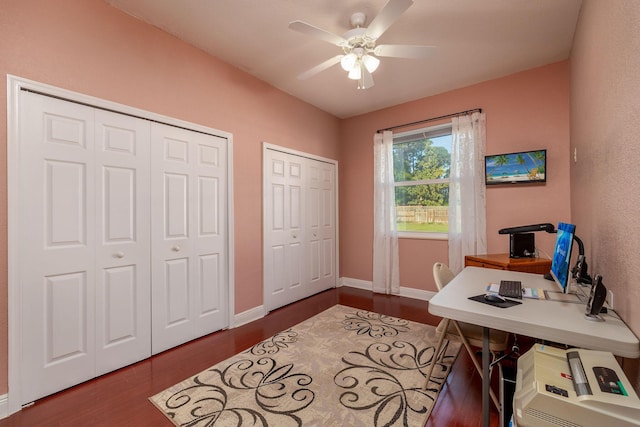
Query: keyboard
x=510, y=289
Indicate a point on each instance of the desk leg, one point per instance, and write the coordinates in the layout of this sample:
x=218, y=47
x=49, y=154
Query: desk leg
x=486, y=381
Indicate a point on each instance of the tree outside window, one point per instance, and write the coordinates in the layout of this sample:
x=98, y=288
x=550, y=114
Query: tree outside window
x=422, y=162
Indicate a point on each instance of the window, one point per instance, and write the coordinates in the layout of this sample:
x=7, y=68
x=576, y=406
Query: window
x=421, y=165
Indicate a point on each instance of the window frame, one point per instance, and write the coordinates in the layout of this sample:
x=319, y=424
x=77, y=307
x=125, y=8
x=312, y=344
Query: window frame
x=403, y=137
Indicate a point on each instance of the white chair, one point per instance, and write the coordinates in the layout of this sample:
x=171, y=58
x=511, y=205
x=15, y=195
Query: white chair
x=470, y=335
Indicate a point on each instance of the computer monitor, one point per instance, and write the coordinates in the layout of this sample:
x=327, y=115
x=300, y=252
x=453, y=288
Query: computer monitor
x=562, y=255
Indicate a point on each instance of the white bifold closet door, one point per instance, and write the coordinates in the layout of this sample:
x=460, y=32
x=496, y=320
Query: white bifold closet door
x=122, y=240
x=84, y=243
x=189, y=259
x=299, y=227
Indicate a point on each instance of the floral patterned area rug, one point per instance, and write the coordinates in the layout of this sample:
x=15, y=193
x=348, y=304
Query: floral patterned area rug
x=342, y=367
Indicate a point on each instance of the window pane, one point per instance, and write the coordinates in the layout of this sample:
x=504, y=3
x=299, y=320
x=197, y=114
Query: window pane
x=422, y=158
x=422, y=155
x=423, y=208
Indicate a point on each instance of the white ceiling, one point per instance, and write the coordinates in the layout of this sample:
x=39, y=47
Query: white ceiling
x=476, y=40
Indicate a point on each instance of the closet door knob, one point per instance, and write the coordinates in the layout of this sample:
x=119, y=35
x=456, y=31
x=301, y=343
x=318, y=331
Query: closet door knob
x=118, y=255
x=176, y=248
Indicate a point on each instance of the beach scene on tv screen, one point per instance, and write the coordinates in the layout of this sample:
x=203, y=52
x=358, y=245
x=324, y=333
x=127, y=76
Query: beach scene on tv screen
x=517, y=167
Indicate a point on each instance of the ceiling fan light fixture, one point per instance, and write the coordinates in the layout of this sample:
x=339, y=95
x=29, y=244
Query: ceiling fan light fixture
x=348, y=62
x=370, y=62
x=360, y=55
x=356, y=72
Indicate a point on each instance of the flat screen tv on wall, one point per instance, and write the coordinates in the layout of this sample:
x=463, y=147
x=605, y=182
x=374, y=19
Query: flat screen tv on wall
x=524, y=167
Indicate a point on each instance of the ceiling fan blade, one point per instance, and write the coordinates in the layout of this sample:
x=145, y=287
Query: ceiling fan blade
x=404, y=51
x=366, y=80
x=387, y=16
x=319, y=33
x=320, y=67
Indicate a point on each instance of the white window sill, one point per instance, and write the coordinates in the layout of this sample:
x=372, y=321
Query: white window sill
x=422, y=236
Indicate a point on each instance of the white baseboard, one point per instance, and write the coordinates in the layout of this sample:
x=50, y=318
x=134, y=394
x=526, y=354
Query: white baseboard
x=259, y=312
x=249, y=316
x=404, y=291
x=4, y=406
x=356, y=283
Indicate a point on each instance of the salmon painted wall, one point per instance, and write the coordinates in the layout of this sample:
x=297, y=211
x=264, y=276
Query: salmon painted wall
x=89, y=47
x=605, y=195
x=524, y=111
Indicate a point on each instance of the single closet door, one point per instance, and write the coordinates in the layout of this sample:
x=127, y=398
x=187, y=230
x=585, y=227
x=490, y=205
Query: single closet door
x=299, y=227
x=189, y=235
x=123, y=264
x=321, y=226
x=284, y=228
x=83, y=262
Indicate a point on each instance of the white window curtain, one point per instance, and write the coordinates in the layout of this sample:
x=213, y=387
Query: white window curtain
x=386, y=275
x=467, y=213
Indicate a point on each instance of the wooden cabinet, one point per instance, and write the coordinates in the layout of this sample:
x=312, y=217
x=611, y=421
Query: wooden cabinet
x=503, y=262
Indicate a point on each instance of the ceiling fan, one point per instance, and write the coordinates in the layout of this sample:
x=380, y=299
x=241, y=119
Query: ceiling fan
x=359, y=48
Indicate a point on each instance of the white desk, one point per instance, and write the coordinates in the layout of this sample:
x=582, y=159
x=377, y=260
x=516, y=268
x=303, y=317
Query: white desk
x=561, y=322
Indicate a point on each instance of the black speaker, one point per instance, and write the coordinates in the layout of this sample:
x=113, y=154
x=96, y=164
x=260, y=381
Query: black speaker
x=596, y=299
x=522, y=245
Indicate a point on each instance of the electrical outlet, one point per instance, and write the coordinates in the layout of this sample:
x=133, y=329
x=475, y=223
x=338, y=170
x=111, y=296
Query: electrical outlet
x=610, y=299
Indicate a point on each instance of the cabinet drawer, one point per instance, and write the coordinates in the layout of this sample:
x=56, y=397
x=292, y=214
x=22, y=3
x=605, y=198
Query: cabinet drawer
x=503, y=262
x=474, y=263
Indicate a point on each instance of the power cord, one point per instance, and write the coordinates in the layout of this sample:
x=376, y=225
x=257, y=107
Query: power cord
x=515, y=349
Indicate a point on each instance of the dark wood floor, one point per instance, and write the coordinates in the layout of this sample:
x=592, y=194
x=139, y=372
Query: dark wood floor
x=121, y=398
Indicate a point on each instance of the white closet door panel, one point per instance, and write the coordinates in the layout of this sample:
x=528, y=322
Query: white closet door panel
x=56, y=252
x=176, y=206
x=208, y=280
x=274, y=250
x=328, y=260
x=120, y=303
x=285, y=219
x=276, y=204
x=171, y=295
x=123, y=324
x=314, y=214
x=120, y=207
x=314, y=260
x=65, y=200
x=321, y=219
x=295, y=266
x=65, y=308
x=210, y=236
x=328, y=228
x=295, y=260
x=189, y=235
x=176, y=280
x=208, y=195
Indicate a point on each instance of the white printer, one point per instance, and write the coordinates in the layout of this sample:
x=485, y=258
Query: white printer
x=573, y=388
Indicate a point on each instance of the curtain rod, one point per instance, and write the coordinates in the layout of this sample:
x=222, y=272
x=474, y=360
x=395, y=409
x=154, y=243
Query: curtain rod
x=461, y=113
